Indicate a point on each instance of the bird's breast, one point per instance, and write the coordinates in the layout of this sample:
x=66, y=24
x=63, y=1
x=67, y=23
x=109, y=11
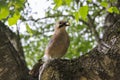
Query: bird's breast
x=58, y=45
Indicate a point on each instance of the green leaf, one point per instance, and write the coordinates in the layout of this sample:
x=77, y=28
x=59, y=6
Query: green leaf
x=110, y=10
x=58, y=3
x=4, y=12
x=116, y=10
x=68, y=2
x=83, y=11
x=113, y=9
x=104, y=4
x=29, y=30
x=89, y=0
x=13, y=20
x=76, y=16
x=19, y=4
x=112, y=1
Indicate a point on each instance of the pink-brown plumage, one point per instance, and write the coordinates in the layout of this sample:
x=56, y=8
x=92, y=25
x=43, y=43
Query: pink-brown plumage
x=59, y=43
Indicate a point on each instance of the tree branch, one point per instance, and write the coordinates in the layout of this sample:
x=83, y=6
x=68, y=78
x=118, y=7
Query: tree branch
x=52, y=16
x=93, y=28
x=90, y=23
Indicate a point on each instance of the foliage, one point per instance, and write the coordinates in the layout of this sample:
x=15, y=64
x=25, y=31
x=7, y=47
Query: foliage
x=86, y=18
x=10, y=10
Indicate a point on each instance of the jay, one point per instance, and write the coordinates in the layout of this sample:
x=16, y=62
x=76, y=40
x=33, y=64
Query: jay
x=57, y=46
x=59, y=43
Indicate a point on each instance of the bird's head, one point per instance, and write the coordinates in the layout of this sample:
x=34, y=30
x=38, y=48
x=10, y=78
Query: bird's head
x=61, y=24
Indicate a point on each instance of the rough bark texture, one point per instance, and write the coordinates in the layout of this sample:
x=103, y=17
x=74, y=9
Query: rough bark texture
x=12, y=61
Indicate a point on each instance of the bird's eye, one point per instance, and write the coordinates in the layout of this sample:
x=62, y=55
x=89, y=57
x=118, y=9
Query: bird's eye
x=60, y=22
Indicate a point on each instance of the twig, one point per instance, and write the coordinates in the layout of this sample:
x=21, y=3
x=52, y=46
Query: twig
x=92, y=26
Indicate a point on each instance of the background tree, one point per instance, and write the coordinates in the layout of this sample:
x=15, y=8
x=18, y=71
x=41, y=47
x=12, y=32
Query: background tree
x=88, y=22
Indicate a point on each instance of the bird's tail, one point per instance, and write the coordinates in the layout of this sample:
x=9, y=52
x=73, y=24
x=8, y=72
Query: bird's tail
x=42, y=68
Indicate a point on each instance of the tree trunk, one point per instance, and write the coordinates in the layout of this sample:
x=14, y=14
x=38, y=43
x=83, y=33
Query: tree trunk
x=12, y=61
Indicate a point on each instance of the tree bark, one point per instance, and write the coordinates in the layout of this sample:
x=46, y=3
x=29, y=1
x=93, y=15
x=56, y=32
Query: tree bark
x=12, y=61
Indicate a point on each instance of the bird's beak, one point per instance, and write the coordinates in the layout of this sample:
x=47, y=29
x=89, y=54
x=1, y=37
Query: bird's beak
x=64, y=24
x=67, y=24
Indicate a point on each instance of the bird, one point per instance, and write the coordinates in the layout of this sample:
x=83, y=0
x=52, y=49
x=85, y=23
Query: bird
x=59, y=43
x=57, y=46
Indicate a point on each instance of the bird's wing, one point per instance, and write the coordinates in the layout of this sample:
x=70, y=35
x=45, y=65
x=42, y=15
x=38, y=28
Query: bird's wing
x=58, y=45
x=55, y=41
